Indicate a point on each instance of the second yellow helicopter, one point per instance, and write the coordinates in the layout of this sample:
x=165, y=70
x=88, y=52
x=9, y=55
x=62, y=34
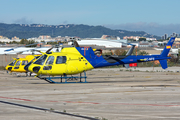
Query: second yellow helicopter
x=18, y=64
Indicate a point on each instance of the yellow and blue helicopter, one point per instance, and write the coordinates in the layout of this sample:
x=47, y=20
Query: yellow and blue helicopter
x=74, y=60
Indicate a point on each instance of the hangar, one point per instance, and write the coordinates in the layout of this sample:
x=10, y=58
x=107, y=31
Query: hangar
x=103, y=42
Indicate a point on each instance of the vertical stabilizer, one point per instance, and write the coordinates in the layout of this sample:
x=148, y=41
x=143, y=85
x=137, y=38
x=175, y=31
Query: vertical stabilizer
x=168, y=47
x=163, y=64
x=165, y=52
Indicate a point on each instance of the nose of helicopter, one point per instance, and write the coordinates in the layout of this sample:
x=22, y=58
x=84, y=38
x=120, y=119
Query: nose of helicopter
x=36, y=69
x=31, y=68
x=6, y=67
x=9, y=68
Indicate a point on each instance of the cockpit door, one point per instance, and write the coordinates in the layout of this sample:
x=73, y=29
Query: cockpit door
x=55, y=65
x=60, y=65
x=17, y=64
x=47, y=68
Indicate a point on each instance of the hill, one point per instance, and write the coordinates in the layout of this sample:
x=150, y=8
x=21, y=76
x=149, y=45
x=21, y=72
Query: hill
x=82, y=31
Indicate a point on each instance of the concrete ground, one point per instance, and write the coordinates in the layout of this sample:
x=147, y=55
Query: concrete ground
x=111, y=94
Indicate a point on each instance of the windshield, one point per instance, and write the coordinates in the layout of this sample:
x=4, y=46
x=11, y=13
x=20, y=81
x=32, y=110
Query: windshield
x=24, y=62
x=41, y=60
x=18, y=62
x=12, y=63
x=50, y=60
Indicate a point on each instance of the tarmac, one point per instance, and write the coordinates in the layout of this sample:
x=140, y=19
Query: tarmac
x=110, y=94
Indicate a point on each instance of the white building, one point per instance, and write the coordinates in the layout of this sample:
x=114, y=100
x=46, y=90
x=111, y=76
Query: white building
x=151, y=39
x=45, y=40
x=100, y=42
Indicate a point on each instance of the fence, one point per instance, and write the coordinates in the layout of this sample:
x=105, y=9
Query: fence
x=5, y=59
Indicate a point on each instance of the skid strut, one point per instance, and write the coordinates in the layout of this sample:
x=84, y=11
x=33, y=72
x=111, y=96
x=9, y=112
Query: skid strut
x=66, y=79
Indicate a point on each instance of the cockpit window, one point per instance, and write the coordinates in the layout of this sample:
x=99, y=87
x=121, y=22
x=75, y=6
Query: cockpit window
x=24, y=62
x=50, y=60
x=18, y=63
x=61, y=59
x=34, y=58
x=12, y=63
x=41, y=60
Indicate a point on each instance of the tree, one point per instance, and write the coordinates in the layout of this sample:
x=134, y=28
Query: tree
x=27, y=42
x=24, y=41
x=142, y=39
x=120, y=52
x=174, y=59
x=137, y=51
x=143, y=53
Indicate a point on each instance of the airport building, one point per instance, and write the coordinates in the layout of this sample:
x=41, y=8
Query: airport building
x=106, y=40
x=100, y=42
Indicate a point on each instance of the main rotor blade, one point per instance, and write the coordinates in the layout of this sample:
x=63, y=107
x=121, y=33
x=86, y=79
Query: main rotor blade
x=49, y=49
x=76, y=44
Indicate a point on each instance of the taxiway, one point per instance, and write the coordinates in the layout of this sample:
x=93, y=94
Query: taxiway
x=113, y=94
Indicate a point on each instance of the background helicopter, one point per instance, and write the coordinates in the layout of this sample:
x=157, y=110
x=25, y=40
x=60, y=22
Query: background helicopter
x=18, y=64
x=75, y=60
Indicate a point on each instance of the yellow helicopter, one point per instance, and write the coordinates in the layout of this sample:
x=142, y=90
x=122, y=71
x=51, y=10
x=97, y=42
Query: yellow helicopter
x=18, y=64
x=73, y=60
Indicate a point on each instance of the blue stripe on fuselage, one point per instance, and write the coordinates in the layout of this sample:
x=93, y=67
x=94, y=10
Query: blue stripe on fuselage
x=94, y=60
x=99, y=61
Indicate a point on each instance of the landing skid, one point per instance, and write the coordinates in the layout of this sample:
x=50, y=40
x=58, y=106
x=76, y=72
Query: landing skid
x=65, y=79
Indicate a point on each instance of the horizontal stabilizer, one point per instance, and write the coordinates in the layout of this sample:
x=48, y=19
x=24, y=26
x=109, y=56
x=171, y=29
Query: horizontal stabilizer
x=163, y=64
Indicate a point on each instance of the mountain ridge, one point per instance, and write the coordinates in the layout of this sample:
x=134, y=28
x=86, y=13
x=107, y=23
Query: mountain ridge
x=83, y=31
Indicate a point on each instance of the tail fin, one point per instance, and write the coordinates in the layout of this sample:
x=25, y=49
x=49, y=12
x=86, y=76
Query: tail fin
x=167, y=48
x=165, y=52
x=163, y=64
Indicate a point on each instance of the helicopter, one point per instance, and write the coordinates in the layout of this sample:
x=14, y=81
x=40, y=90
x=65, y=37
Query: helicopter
x=18, y=64
x=74, y=60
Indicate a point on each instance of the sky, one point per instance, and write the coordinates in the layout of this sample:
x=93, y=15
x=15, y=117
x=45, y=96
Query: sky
x=155, y=17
